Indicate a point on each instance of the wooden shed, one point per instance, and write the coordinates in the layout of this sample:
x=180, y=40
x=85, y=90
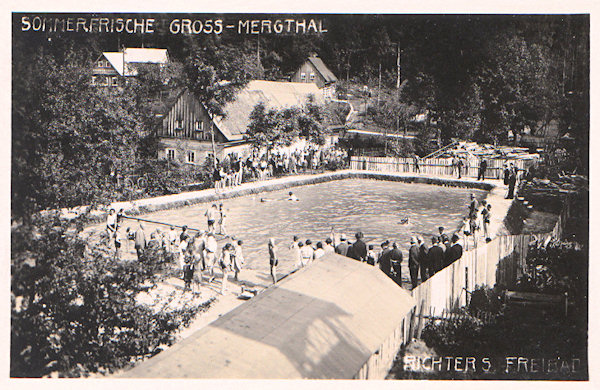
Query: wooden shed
x=335, y=319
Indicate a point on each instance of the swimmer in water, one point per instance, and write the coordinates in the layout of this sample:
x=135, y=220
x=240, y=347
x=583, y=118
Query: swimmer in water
x=291, y=197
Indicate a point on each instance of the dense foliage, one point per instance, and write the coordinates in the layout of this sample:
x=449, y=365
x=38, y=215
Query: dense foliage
x=558, y=268
x=279, y=127
x=74, y=307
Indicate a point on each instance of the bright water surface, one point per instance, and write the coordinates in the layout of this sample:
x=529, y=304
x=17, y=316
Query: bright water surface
x=371, y=206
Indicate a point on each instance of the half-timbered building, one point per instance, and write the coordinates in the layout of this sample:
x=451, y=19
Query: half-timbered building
x=190, y=134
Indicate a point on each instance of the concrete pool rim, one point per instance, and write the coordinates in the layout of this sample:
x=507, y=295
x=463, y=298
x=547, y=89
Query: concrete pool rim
x=176, y=201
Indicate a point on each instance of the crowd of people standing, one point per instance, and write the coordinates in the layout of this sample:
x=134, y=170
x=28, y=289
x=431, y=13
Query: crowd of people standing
x=232, y=170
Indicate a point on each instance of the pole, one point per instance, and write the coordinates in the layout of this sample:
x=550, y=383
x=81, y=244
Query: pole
x=212, y=140
x=162, y=223
x=379, y=84
x=398, y=68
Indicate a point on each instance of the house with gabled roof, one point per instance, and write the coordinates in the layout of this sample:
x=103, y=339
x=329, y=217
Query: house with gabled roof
x=112, y=68
x=314, y=70
x=189, y=133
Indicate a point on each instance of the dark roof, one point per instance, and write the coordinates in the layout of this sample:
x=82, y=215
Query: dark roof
x=323, y=69
x=324, y=321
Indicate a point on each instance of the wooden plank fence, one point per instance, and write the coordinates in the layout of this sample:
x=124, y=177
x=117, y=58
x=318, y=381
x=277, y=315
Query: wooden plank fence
x=500, y=262
x=435, y=166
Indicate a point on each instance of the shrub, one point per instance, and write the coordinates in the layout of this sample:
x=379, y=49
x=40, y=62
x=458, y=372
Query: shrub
x=73, y=307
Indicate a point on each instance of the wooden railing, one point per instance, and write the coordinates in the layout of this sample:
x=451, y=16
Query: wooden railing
x=435, y=166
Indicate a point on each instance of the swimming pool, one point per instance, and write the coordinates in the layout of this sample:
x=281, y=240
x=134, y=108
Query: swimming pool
x=374, y=207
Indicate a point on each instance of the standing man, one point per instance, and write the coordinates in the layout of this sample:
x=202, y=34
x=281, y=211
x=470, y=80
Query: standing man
x=384, y=258
x=413, y=262
x=140, y=241
x=423, y=259
x=473, y=206
x=482, y=168
x=359, y=248
x=435, y=256
x=486, y=215
x=273, y=261
x=456, y=249
x=442, y=237
x=417, y=169
x=212, y=214
x=396, y=262
x=342, y=248
x=512, y=181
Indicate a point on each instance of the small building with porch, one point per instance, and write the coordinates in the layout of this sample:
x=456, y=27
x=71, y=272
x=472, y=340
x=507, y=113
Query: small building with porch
x=314, y=70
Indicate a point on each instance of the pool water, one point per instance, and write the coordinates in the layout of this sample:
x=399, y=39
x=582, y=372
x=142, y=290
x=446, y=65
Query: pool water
x=372, y=206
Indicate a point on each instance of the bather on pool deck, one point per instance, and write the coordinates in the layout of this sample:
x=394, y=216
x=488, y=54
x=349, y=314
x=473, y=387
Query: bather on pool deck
x=273, y=262
x=308, y=253
x=297, y=258
x=211, y=216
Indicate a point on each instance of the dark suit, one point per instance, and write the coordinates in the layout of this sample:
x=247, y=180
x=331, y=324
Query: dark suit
x=413, y=264
x=456, y=252
x=385, y=261
x=396, y=262
x=436, y=259
x=423, y=262
x=359, y=250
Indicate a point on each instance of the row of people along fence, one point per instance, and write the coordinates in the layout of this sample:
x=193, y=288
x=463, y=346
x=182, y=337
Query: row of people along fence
x=500, y=262
x=437, y=166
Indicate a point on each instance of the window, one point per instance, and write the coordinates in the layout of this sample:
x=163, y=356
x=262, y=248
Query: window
x=94, y=80
x=115, y=81
x=303, y=76
x=178, y=124
x=101, y=63
x=170, y=154
x=312, y=76
x=191, y=157
x=199, y=126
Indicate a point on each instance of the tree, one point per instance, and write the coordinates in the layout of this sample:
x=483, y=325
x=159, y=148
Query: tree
x=279, y=127
x=74, y=308
x=68, y=137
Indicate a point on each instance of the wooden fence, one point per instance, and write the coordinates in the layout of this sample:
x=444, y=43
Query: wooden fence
x=435, y=166
x=500, y=262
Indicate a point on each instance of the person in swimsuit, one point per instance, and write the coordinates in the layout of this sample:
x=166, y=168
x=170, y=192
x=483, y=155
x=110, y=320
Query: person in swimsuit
x=222, y=216
x=210, y=247
x=225, y=265
x=273, y=262
x=211, y=216
x=237, y=258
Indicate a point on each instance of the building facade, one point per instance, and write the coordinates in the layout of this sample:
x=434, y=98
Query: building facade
x=313, y=70
x=112, y=69
x=189, y=134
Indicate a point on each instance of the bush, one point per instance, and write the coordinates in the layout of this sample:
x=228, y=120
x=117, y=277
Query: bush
x=73, y=307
